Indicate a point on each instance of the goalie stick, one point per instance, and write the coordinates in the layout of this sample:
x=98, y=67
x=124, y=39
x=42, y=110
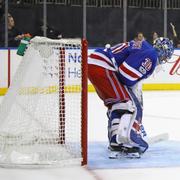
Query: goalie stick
x=158, y=138
x=151, y=140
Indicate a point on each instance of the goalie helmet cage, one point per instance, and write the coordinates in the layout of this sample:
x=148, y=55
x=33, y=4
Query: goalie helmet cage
x=43, y=116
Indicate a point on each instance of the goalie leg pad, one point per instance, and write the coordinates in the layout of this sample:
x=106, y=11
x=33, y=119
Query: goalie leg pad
x=123, y=127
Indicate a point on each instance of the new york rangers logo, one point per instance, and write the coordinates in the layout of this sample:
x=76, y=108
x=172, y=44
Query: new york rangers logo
x=147, y=64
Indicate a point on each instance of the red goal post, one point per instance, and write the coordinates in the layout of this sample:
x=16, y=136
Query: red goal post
x=85, y=101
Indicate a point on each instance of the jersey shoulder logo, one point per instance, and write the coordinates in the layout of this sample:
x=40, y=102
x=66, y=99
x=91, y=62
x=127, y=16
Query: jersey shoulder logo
x=142, y=70
x=137, y=45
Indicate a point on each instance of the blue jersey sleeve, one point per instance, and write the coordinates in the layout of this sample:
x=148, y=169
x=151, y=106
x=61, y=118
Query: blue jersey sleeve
x=122, y=51
x=135, y=46
x=137, y=66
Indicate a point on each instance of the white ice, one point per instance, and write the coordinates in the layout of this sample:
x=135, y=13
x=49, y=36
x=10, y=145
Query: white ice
x=161, y=114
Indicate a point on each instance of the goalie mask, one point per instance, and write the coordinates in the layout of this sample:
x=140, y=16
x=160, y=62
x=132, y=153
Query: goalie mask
x=164, y=48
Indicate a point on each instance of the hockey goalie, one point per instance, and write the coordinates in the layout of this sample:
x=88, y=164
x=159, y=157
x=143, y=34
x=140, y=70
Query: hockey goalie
x=116, y=73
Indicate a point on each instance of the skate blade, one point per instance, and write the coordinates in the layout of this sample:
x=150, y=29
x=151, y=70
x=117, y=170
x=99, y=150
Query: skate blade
x=120, y=155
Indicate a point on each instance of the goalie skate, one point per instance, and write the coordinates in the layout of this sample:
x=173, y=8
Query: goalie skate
x=123, y=152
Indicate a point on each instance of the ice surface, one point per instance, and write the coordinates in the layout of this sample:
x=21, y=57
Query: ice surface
x=161, y=114
x=162, y=154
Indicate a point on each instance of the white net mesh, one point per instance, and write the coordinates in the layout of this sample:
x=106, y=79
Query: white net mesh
x=40, y=116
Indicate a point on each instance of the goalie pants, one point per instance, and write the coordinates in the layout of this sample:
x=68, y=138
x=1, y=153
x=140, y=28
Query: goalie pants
x=107, y=85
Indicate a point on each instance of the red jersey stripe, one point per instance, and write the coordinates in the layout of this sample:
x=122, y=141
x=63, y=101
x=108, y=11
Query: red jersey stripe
x=129, y=72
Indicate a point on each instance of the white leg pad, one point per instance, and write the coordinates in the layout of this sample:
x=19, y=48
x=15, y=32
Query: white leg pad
x=123, y=129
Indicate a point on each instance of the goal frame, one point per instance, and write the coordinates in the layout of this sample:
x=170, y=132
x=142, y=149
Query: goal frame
x=84, y=100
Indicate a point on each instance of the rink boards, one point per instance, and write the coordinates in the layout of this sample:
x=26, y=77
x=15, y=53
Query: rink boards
x=166, y=78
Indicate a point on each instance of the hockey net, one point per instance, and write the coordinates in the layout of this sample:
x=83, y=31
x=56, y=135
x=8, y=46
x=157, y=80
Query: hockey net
x=43, y=116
